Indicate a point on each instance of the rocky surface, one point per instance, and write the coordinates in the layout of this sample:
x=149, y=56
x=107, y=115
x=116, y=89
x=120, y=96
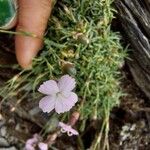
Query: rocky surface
x=7, y=141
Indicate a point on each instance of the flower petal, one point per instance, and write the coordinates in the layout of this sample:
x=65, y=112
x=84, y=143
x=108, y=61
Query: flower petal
x=29, y=147
x=70, y=101
x=47, y=103
x=63, y=125
x=64, y=104
x=73, y=98
x=66, y=83
x=70, y=131
x=49, y=87
x=59, y=107
x=43, y=146
x=74, y=132
x=30, y=143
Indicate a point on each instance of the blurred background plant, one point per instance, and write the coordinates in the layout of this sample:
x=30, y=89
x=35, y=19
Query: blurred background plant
x=79, y=41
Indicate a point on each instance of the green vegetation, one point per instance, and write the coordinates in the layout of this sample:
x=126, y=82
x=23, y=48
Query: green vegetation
x=79, y=41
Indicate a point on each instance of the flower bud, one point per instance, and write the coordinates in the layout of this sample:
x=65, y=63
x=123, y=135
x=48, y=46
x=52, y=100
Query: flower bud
x=82, y=38
x=68, y=68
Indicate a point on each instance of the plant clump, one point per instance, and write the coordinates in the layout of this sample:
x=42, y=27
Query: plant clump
x=79, y=42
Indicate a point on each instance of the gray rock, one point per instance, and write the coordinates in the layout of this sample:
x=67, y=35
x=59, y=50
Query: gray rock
x=2, y=122
x=3, y=142
x=10, y=148
x=3, y=131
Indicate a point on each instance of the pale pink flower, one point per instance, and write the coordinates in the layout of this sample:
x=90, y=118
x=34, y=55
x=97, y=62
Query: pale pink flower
x=33, y=142
x=59, y=95
x=67, y=128
x=43, y=146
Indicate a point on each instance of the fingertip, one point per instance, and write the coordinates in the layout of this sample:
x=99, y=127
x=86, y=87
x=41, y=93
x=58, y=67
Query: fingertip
x=32, y=18
x=26, y=49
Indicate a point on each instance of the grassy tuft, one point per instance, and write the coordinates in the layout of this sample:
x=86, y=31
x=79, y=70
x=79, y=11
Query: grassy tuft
x=79, y=41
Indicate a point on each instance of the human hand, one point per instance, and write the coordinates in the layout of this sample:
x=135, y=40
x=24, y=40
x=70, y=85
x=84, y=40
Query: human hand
x=33, y=16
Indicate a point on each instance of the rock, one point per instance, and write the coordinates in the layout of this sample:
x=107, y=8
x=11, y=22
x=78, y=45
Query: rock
x=3, y=142
x=10, y=148
x=2, y=122
x=3, y=131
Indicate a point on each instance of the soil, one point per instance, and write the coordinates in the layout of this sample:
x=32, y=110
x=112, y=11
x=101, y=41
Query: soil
x=129, y=123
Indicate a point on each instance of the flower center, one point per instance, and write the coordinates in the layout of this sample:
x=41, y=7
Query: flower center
x=61, y=95
x=58, y=94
